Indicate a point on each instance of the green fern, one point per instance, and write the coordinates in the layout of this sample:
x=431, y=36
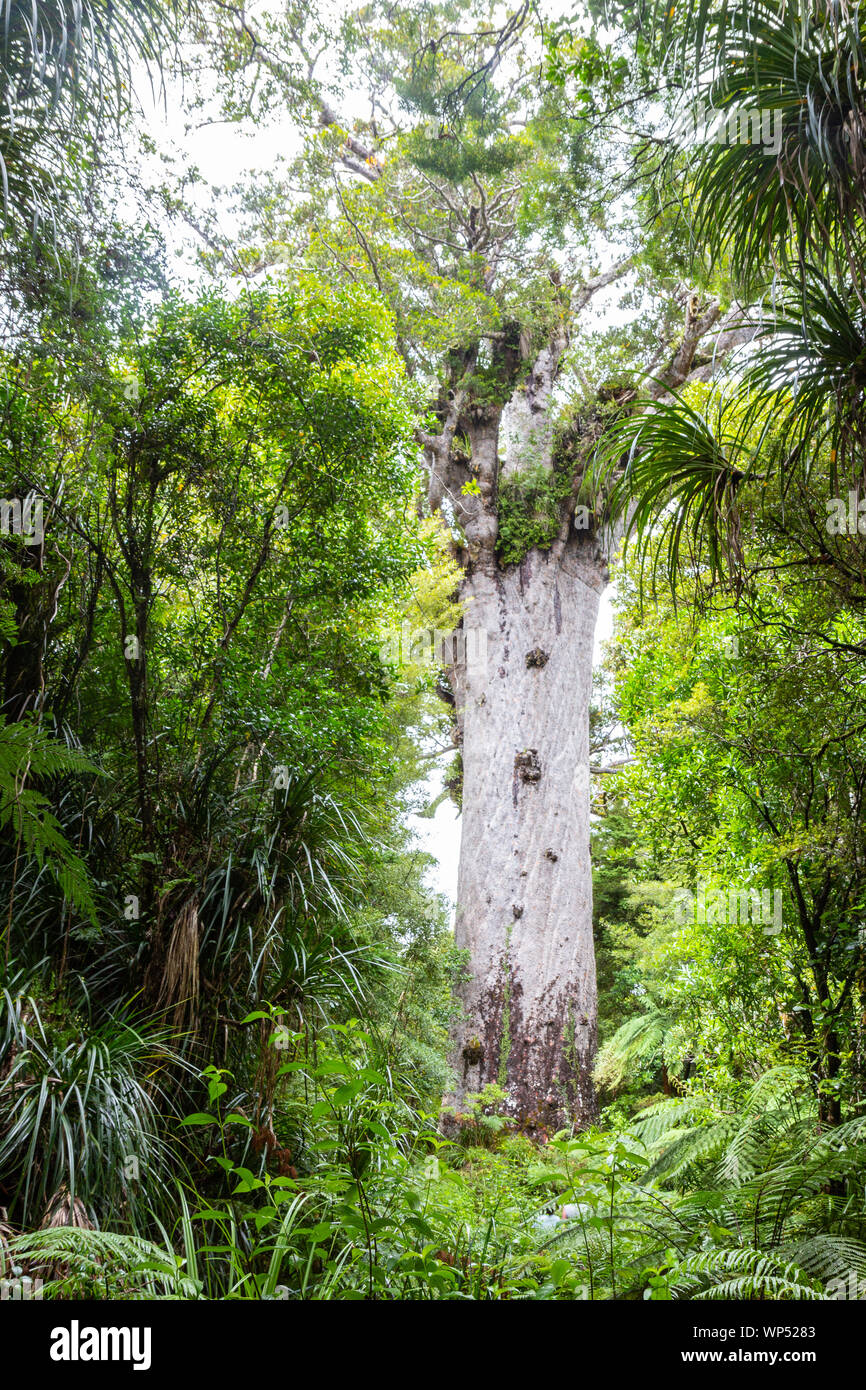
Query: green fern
x=696, y=1202
x=104, y=1263
x=742, y=1274
x=26, y=752
x=638, y=1041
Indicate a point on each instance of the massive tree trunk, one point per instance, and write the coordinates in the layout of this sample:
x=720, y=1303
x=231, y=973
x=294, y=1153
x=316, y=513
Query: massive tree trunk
x=525, y=886
x=522, y=682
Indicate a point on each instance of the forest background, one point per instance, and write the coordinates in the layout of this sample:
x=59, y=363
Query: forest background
x=227, y=986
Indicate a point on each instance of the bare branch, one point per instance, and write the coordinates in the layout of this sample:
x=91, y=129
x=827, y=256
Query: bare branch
x=599, y=282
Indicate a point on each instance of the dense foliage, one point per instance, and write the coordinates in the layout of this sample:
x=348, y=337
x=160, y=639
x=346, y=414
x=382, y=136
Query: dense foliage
x=225, y=981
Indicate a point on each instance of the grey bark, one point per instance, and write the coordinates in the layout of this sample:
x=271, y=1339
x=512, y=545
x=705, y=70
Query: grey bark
x=524, y=911
x=522, y=682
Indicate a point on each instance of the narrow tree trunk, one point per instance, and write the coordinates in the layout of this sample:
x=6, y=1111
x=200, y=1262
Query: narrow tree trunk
x=525, y=888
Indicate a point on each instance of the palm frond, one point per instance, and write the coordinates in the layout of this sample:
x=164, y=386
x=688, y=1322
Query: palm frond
x=672, y=473
x=65, y=66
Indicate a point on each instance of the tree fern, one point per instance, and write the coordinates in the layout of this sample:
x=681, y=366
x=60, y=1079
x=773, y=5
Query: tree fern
x=753, y=1202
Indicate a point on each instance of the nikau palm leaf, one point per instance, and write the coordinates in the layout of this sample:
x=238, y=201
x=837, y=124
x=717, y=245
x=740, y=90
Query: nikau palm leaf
x=806, y=194
x=676, y=468
x=65, y=69
x=794, y=218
